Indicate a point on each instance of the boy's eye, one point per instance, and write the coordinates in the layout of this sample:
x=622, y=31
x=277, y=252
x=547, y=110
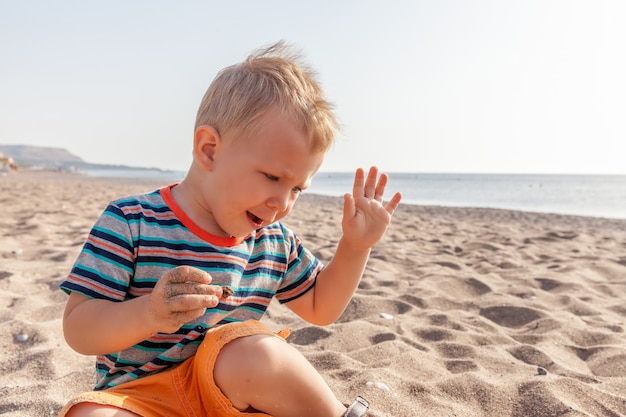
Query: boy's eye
x=274, y=178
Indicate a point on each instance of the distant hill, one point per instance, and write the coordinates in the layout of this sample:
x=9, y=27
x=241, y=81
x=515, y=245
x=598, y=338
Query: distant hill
x=37, y=156
x=42, y=157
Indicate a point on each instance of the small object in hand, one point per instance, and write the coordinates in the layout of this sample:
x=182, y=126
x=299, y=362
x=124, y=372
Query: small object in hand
x=227, y=291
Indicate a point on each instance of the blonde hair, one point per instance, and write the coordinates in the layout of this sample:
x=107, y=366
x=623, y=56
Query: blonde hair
x=271, y=78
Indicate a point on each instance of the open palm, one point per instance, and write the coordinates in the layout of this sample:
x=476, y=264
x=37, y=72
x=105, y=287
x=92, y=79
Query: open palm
x=365, y=218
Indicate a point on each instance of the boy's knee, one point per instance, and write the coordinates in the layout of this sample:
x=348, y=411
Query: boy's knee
x=243, y=366
x=250, y=355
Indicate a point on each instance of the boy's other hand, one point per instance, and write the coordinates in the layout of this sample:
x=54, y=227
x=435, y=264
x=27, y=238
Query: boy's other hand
x=365, y=218
x=181, y=295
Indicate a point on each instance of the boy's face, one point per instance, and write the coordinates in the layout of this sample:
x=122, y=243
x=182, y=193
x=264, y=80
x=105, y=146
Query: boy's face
x=256, y=178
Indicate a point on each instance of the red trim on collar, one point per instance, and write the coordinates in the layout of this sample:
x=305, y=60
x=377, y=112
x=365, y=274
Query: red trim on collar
x=166, y=193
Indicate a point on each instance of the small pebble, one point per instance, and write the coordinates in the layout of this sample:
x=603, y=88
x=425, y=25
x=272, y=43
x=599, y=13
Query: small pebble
x=227, y=291
x=380, y=385
x=21, y=338
x=17, y=251
x=542, y=371
x=386, y=316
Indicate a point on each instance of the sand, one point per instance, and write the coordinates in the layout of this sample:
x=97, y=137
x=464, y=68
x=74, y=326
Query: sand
x=461, y=312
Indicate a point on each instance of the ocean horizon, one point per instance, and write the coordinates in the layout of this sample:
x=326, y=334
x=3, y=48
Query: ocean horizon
x=580, y=195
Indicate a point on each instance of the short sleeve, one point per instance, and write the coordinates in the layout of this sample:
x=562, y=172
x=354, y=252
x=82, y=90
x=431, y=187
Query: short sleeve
x=105, y=265
x=302, y=269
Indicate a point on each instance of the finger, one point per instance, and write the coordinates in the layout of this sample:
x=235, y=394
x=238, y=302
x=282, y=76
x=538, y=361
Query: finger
x=359, y=181
x=349, y=207
x=380, y=187
x=186, y=273
x=176, y=289
x=392, y=205
x=370, y=183
x=191, y=302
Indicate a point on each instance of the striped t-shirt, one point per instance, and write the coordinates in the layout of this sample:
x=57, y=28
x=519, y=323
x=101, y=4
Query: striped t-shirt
x=137, y=239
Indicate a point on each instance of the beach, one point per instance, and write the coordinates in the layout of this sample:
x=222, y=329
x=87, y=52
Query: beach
x=460, y=312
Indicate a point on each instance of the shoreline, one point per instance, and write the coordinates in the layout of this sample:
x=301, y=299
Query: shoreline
x=457, y=311
x=607, y=204
x=453, y=210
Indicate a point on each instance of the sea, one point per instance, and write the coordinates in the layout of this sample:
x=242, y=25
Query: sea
x=581, y=195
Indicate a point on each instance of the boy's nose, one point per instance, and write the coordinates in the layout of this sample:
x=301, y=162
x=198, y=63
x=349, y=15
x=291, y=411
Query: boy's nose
x=279, y=202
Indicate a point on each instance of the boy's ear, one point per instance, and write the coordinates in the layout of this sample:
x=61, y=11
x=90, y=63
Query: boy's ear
x=207, y=142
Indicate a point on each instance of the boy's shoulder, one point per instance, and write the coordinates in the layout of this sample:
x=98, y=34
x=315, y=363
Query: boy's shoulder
x=153, y=204
x=149, y=196
x=152, y=200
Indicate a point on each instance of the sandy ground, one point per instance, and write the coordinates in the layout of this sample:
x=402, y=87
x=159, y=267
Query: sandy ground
x=461, y=312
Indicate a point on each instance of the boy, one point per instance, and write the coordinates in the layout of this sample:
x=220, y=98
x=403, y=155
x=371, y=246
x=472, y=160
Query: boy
x=146, y=291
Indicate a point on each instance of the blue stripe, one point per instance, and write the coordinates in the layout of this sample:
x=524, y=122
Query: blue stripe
x=113, y=238
x=276, y=275
x=97, y=276
x=201, y=249
x=70, y=287
x=209, y=266
x=286, y=300
x=109, y=257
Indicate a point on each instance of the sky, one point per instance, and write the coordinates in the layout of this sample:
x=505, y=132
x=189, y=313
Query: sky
x=446, y=86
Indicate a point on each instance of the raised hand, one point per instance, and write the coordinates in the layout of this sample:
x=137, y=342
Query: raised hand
x=181, y=295
x=365, y=218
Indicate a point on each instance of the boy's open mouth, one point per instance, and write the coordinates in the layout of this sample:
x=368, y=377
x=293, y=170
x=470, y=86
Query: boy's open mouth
x=255, y=220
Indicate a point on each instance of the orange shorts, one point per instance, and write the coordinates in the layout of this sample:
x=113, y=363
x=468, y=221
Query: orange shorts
x=186, y=390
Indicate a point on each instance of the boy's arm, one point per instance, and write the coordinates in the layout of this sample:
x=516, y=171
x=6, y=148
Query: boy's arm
x=97, y=326
x=365, y=220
